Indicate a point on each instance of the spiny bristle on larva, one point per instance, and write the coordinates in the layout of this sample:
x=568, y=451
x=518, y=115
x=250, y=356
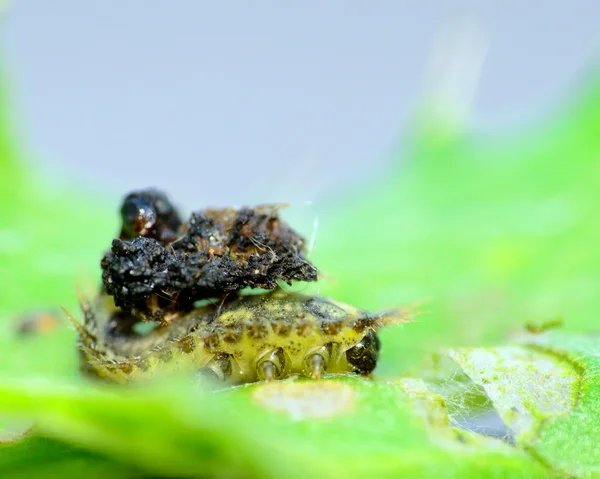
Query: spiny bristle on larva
x=379, y=320
x=86, y=337
x=85, y=304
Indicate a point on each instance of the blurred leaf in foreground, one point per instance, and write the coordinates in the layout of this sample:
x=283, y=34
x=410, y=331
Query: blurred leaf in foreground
x=543, y=390
x=491, y=231
x=333, y=428
x=43, y=458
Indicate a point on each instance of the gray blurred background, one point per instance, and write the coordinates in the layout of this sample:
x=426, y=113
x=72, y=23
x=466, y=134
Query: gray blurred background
x=239, y=102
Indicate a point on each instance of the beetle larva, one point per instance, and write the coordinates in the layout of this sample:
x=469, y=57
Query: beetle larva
x=147, y=318
x=256, y=337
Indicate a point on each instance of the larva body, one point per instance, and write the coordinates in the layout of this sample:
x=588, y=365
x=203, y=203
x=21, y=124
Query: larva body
x=256, y=337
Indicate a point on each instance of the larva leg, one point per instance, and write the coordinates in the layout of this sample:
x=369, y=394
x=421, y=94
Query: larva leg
x=271, y=365
x=219, y=367
x=315, y=362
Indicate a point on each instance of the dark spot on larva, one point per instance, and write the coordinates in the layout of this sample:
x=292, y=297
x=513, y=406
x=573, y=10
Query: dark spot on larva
x=332, y=327
x=303, y=328
x=232, y=334
x=281, y=327
x=165, y=355
x=256, y=329
x=293, y=347
x=192, y=328
x=187, y=344
x=127, y=368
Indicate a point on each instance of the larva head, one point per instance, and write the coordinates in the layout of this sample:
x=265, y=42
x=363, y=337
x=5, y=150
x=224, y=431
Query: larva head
x=149, y=213
x=363, y=357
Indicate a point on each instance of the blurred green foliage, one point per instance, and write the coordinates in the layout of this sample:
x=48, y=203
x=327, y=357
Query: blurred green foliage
x=492, y=231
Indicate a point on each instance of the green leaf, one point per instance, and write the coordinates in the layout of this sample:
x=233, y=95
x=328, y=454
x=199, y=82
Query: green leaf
x=570, y=442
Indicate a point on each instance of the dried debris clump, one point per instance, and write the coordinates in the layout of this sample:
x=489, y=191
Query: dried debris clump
x=159, y=266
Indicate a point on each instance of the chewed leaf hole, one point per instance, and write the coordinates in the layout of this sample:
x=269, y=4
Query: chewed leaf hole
x=468, y=405
x=503, y=392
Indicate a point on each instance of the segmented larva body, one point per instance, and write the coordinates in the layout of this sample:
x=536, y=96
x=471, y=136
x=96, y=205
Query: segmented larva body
x=256, y=337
